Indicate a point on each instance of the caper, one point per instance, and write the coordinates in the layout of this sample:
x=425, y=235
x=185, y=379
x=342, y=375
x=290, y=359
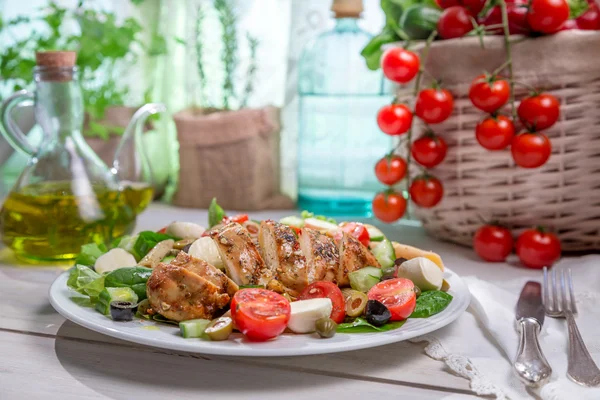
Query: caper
x=417, y=290
x=325, y=327
x=445, y=286
x=355, y=302
x=220, y=328
x=377, y=313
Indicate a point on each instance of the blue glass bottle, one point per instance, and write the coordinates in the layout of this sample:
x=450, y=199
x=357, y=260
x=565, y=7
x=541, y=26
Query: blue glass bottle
x=339, y=141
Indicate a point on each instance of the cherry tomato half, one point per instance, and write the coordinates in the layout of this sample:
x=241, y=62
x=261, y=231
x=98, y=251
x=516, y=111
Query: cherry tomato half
x=390, y=170
x=493, y=243
x=429, y=150
x=162, y=230
x=531, y=150
x=389, y=207
x=434, y=105
x=394, y=119
x=426, y=192
x=538, y=249
x=454, y=22
x=240, y=219
x=358, y=230
x=330, y=290
x=397, y=294
x=495, y=133
x=400, y=65
x=547, y=16
x=260, y=314
x=489, y=94
x=539, y=112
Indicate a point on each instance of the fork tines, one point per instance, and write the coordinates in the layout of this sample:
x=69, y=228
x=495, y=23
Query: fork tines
x=558, y=300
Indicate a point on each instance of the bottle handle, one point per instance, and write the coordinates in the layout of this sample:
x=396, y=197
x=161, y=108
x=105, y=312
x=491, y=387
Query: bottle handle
x=9, y=128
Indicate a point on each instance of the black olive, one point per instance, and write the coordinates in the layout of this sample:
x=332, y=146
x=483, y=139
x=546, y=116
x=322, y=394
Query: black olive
x=122, y=310
x=186, y=248
x=376, y=313
x=399, y=261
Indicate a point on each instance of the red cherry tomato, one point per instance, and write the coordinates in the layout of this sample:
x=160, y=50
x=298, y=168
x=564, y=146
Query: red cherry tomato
x=390, y=170
x=473, y=6
x=539, y=112
x=590, y=19
x=443, y=4
x=394, y=119
x=434, y=105
x=429, y=150
x=400, y=65
x=260, y=314
x=357, y=230
x=489, y=94
x=240, y=219
x=493, y=243
x=162, y=230
x=454, y=22
x=397, y=294
x=517, y=19
x=531, y=150
x=547, y=16
x=330, y=290
x=569, y=24
x=426, y=191
x=495, y=133
x=538, y=249
x=389, y=207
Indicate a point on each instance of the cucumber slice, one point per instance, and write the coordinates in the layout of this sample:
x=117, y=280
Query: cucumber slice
x=293, y=221
x=167, y=259
x=375, y=235
x=193, y=328
x=320, y=225
x=365, y=278
x=110, y=294
x=384, y=253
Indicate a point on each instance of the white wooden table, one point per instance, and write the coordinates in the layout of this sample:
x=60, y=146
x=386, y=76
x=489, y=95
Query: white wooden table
x=44, y=356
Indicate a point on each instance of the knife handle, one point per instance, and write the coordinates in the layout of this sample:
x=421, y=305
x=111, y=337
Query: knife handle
x=530, y=364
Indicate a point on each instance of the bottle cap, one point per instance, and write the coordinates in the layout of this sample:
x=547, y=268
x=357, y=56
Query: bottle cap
x=56, y=65
x=347, y=8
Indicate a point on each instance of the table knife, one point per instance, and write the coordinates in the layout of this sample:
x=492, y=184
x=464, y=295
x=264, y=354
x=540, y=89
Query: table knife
x=530, y=364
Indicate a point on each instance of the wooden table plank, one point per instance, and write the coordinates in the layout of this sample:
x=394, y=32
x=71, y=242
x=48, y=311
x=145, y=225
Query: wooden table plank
x=41, y=367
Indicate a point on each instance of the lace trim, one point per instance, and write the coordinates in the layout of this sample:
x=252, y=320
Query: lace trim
x=461, y=366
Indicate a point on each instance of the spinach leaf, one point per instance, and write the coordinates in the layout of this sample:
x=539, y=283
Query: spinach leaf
x=430, y=303
x=360, y=325
x=145, y=241
x=86, y=281
x=90, y=253
x=157, y=318
x=132, y=277
x=215, y=213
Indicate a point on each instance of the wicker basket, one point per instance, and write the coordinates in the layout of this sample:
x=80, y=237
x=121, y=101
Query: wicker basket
x=564, y=194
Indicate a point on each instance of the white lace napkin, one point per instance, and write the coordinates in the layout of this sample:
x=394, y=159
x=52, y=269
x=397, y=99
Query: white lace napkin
x=482, y=343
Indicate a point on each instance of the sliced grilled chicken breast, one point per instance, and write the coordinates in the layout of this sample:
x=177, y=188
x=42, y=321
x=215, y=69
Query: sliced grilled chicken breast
x=207, y=271
x=282, y=254
x=180, y=294
x=322, y=255
x=243, y=262
x=353, y=255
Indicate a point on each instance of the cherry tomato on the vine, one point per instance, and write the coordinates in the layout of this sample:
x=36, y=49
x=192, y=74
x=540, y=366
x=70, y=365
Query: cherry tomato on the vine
x=489, y=93
x=590, y=19
x=454, y=22
x=538, y=249
x=389, y=207
x=493, y=243
x=434, y=105
x=394, y=119
x=517, y=19
x=400, y=65
x=547, y=16
x=426, y=191
x=495, y=133
x=473, y=6
x=390, y=170
x=429, y=150
x=531, y=149
x=539, y=112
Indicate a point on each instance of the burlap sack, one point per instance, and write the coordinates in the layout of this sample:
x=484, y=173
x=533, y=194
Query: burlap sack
x=479, y=184
x=232, y=156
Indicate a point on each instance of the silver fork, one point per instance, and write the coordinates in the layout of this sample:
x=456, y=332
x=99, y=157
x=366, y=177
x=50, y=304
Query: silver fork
x=581, y=368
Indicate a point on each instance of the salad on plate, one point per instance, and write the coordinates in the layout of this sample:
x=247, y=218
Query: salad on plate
x=301, y=275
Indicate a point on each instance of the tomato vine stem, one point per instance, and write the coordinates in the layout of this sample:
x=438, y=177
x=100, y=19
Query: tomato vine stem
x=508, y=57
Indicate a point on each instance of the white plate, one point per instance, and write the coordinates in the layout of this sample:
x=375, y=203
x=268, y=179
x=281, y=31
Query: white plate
x=168, y=337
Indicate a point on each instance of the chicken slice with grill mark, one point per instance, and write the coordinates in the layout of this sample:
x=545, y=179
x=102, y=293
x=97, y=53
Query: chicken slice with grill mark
x=180, y=294
x=207, y=271
x=353, y=256
x=242, y=260
x=282, y=254
x=322, y=255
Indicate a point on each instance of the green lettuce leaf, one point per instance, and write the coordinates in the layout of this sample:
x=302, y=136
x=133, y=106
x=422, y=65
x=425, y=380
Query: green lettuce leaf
x=131, y=277
x=430, y=303
x=360, y=325
x=90, y=253
x=86, y=281
x=215, y=213
x=306, y=214
x=144, y=242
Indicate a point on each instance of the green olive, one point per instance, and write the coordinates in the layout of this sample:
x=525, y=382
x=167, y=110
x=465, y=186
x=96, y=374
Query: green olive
x=325, y=327
x=355, y=302
x=417, y=291
x=445, y=286
x=220, y=328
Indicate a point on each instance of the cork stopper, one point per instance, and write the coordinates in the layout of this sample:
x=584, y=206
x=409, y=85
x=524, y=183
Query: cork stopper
x=56, y=65
x=347, y=8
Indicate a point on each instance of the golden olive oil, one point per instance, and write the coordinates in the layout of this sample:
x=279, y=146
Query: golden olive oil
x=50, y=221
